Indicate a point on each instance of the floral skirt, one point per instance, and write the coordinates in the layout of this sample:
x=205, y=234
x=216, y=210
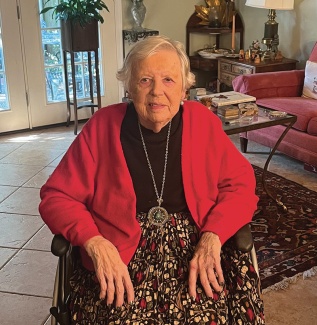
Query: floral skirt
x=159, y=273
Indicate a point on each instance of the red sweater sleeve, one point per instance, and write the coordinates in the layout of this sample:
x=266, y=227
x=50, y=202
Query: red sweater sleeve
x=68, y=192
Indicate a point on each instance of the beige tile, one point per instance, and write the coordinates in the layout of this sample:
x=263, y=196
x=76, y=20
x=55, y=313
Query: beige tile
x=20, y=138
x=41, y=240
x=32, y=156
x=55, y=162
x=22, y=201
x=17, y=229
x=6, y=148
x=29, y=272
x=52, y=140
x=16, y=175
x=5, y=191
x=61, y=131
x=40, y=178
x=6, y=254
x=23, y=310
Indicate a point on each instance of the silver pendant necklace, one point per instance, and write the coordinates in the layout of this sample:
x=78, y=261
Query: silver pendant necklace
x=157, y=215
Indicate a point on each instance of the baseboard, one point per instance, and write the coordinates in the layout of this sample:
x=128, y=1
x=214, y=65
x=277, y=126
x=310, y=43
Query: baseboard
x=43, y=127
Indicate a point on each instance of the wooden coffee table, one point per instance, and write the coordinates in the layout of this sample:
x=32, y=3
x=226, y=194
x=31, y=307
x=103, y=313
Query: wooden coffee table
x=262, y=121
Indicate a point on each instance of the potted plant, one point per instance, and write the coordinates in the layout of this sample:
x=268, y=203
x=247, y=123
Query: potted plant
x=79, y=22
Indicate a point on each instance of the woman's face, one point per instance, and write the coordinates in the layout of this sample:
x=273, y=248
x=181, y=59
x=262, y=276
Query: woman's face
x=157, y=89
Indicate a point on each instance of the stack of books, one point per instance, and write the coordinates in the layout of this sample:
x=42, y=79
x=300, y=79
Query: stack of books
x=228, y=111
x=228, y=98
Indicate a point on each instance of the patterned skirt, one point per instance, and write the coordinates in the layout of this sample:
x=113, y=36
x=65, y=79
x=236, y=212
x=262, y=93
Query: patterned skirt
x=159, y=273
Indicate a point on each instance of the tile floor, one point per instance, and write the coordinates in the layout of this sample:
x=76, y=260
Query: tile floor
x=27, y=268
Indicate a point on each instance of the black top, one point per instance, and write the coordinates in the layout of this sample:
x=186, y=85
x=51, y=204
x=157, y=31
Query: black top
x=173, y=195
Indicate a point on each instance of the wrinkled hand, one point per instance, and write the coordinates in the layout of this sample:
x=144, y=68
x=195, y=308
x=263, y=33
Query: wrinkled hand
x=206, y=264
x=112, y=273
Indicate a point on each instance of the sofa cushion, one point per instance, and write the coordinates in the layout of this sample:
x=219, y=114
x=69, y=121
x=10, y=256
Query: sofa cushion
x=304, y=108
x=312, y=126
x=310, y=81
x=270, y=84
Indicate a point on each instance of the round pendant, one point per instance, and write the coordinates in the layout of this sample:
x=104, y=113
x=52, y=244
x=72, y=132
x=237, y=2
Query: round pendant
x=158, y=216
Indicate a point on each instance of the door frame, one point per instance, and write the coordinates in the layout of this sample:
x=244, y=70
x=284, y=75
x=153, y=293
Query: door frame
x=35, y=109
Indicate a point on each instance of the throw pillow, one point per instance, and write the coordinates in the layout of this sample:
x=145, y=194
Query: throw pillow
x=310, y=81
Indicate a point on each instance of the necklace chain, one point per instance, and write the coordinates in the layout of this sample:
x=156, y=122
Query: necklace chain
x=159, y=197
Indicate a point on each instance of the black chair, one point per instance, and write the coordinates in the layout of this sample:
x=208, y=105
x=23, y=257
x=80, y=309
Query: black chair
x=67, y=255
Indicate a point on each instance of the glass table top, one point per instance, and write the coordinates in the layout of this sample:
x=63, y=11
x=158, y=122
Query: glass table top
x=265, y=118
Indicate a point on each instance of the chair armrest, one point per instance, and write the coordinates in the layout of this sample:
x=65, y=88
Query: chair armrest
x=243, y=239
x=271, y=84
x=60, y=246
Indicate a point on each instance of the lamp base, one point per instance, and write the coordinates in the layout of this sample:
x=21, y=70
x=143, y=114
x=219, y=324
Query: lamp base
x=271, y=38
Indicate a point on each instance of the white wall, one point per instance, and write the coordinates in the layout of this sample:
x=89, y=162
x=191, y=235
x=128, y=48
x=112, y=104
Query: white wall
x=297, y=30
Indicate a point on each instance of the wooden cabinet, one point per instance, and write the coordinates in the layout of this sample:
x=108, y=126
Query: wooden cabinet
x=229, y=68
x=199, y=64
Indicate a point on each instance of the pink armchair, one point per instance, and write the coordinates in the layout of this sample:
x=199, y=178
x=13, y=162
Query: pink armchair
x=282, y=91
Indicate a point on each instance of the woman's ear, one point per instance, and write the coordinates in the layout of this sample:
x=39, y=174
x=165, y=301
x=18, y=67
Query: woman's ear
x=184, y=94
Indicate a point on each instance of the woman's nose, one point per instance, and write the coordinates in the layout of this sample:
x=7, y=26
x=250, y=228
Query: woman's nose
x=157, y=88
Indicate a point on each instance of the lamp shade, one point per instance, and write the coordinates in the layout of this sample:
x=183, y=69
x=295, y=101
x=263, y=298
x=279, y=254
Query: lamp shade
x=271, y=4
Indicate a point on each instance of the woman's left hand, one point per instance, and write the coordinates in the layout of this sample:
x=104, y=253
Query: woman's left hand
x=207, y=265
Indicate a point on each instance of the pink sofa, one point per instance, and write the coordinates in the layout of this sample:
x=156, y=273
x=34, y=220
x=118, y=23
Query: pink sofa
x=282, y=91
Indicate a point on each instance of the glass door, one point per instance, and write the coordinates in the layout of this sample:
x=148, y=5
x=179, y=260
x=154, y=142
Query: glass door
x=14, y=114
x=43, y=57
x=38, y=76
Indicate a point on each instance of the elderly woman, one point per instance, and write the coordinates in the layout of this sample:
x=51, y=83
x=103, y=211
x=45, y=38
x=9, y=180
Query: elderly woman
x=151, y=191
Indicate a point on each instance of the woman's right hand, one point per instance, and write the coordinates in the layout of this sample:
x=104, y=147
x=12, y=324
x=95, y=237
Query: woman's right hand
x=112, y=273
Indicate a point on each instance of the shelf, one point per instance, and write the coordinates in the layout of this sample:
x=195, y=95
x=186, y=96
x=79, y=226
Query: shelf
x=206, y=70
x=210, y=30
x=133, y=36
x=193, y=27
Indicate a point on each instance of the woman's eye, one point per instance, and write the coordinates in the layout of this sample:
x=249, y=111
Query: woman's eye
x=145, y=81
x=168, y=79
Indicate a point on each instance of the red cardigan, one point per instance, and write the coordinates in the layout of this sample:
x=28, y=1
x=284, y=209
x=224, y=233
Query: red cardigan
x=91, y=192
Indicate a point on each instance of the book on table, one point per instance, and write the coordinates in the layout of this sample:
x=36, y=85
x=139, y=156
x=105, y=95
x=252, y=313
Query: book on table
x=227, y=98
x=228, y=111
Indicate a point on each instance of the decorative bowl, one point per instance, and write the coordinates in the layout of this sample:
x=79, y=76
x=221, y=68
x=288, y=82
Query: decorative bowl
x=212, y=53
x=277, y=114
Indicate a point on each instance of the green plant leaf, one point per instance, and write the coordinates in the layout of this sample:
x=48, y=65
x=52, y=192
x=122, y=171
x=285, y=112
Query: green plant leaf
x=81, y=11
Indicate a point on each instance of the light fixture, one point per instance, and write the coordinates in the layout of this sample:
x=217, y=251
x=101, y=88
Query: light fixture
x=271, y=38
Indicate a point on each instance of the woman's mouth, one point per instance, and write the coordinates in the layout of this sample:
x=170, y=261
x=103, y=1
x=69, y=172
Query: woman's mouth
x=156, y=105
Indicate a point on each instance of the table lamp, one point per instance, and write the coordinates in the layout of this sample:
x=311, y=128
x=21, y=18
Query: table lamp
x=271, y=38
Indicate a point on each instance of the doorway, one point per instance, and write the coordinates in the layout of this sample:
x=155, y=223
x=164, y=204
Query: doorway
x=32, y=94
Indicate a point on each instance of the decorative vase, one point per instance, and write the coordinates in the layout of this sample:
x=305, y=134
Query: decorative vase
x=138, y=11
x=214, y=17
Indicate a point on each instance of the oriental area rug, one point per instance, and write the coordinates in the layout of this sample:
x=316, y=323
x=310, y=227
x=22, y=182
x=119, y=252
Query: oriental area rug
x=285, y=242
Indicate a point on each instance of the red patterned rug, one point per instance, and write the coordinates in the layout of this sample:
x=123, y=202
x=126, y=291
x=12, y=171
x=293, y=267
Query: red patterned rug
x=285, y=242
